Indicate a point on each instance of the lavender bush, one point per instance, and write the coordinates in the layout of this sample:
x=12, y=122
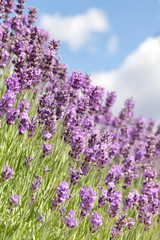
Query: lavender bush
x=70, y=169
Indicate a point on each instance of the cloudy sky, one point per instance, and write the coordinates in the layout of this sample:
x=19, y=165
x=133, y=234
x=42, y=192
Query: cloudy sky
x=117, y=42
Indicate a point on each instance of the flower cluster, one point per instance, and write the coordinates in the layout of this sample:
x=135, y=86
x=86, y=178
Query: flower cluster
x=88, y=197
x=7, y=173
x=62, y=193
x=71, y=123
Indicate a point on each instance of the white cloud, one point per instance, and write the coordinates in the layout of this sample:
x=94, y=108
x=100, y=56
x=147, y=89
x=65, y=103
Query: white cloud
x=112, y=44
x=76, y=30
x=137, y=77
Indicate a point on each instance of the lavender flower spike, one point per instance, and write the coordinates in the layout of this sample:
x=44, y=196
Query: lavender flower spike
x=47, y=148
x=62, y=193
x=96, y=221
x=70, y=219
x=88, y=197
x=7, y=173
x=14, y=200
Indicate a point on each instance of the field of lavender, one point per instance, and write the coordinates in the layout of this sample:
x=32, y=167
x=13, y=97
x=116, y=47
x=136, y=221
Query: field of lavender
x=70, y=169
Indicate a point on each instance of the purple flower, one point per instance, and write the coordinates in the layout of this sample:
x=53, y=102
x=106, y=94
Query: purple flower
x=77, y=143
x=88, y=197
x=7, y=102
x=46, y=170
x=4, y=58
x=131, y=200
x=9, y=6
x=46, y=135
x=114, y=150
x=33, y=199
x=12, y=83
x=32, y=128
x=11, y=115
x=41, y=218
x=62, y=193
x=111, y=97
x=20, y=7
x=28, y=160
x=96, y=221
x=103, y=199
x=14, y=200
x=150, y=173
x=36, y=183
x=47, y=148
x=115, y=199
x=32, y=15
x=74, y=175
x=24, y=106
x=62, y=211
x=77, y=79
x=114, y=175
x=150, y=147
x=129, y=171
x=118, y=227
x=131, y=223
x=7, y=173
x=95, y=98
x=24, y=123
x=70, y=220
x=127, y=111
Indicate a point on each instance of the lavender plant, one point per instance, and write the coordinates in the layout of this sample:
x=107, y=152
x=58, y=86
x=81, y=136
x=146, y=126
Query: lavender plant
x=70, y=169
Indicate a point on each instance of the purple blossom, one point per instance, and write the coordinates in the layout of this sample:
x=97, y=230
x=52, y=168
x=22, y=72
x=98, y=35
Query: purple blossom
x=77, y=80
x=129, y=171
x=7, y=173
x=70, y=220
x=46, y=170
x=131, y=223
x=131, y=200
x=9, y=6
x=114, y=150
x=28, y=160
x=118, y=227
x=95, y=98
x=77, y=143
x=150, y=147
x=20, y=7
x=47, y=148
x=4, y=58
x=11, y=115
x=150, y=174
x=127, y=111
x=24, y=123
x=115, y=199
x=24, y=105
x=35, y=184
x=41, y=218
x=7, y=102
x=88, y=197
x=103, y=199
x=114, y=175
x=96, y=221
x=74, y=175
x=111, y=97
x=32, y=15
x=12, y=83
x=32, y=128
x=46, y=135
x=62, y=193
x=33, y=199
x=62, y=211
x=14, y=200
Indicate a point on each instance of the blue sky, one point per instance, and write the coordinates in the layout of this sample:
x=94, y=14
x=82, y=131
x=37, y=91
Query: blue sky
x=131, y=21
x=115, y=41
